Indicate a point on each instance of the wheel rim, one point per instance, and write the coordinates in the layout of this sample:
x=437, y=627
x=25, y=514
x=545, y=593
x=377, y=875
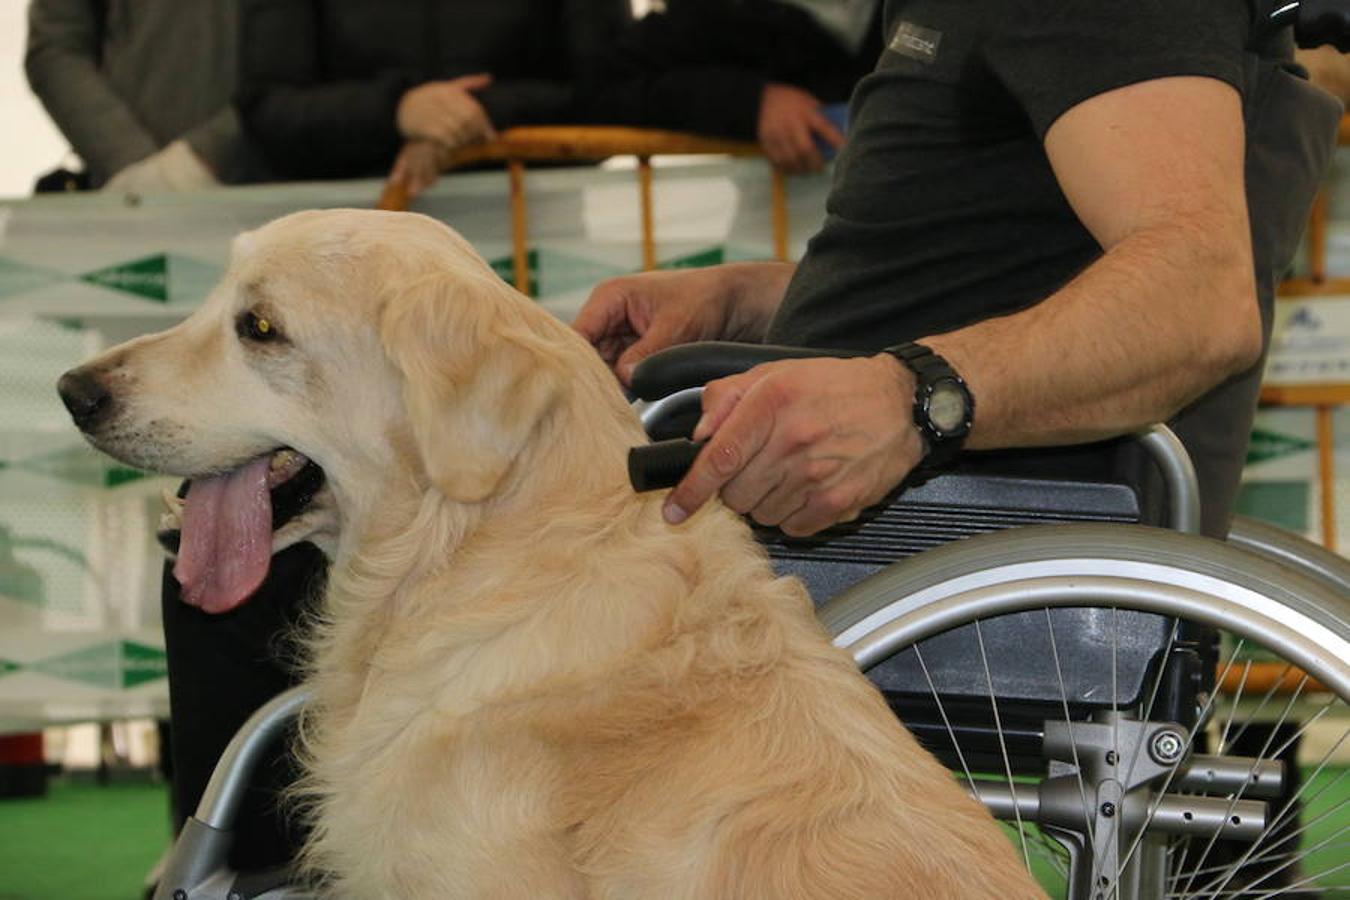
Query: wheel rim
x=1189, y=866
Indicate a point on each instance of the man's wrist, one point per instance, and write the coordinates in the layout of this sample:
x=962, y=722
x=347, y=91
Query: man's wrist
x=754, y=291
x=943, y=408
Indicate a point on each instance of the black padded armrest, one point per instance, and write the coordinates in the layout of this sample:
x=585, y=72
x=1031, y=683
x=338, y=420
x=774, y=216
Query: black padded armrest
x=693, y=365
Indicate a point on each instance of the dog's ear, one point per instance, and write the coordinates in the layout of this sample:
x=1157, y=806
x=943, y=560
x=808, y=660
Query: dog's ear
x=478, y=381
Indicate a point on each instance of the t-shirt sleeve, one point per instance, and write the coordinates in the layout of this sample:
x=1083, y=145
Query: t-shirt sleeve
x=1051, y=56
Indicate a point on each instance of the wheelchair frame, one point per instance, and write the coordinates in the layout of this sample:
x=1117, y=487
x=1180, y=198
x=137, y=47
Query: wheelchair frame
x=884, y=613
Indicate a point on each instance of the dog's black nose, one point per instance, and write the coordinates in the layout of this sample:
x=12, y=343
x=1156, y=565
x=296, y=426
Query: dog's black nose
x=85, y=396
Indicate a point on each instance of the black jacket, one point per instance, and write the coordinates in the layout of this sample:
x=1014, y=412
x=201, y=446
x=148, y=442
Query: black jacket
x=320, y=80
x=702, y=65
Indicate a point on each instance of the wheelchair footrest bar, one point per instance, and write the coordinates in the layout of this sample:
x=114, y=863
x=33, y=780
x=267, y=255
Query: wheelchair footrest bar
x=1241, y=820
x=1229, y=775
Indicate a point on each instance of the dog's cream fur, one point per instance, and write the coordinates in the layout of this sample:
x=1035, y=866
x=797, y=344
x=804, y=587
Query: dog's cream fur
x=527, y=684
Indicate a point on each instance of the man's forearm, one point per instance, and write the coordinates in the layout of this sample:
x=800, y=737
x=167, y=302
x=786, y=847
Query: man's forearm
x=757, y=290
x=1152, y=325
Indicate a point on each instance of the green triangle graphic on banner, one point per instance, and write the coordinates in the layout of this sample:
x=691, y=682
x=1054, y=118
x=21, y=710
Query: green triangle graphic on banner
x=505, y=267
x=147, y=277
x=97, y=666
x=190, y=280
x=6, y=667
x=18, y=278
x=1267, y=445
x=712, y=256
x=141, y=664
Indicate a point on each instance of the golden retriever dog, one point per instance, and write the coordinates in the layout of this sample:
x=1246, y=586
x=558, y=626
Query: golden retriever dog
x=527, y=684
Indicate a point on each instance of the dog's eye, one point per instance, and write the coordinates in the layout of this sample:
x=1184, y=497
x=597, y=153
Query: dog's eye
x=256, y=328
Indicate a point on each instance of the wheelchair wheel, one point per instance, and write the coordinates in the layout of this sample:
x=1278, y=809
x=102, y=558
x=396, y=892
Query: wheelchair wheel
x=1185, y=787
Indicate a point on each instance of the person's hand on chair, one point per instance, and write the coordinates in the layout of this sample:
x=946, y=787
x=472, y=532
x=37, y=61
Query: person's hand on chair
x=631, y=317
x=790, y=124
x=417, y=166
x=446, y=112
x=803, y=443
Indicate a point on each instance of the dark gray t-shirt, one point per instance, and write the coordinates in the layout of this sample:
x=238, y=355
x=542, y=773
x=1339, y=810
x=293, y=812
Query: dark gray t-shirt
x=944, y=210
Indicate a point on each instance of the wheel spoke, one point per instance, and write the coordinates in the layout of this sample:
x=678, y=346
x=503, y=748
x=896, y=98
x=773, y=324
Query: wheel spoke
x=1185, y=752
x=1002, y=744
x=1068, y=723
x=1237, y=795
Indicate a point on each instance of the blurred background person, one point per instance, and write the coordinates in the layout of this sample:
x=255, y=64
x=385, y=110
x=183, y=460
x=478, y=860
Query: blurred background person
x=142, y=90
x=772, y=71
x=349, y=88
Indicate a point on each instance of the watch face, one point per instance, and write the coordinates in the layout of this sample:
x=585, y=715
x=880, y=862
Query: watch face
x=947, y=407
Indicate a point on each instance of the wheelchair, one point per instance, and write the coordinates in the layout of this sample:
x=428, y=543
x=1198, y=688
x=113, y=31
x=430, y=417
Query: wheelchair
x=1080, y=658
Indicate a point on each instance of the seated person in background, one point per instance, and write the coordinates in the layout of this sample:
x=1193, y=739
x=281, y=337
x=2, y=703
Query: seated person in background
x=344, y=88
x=758, y=70
x=142, y=90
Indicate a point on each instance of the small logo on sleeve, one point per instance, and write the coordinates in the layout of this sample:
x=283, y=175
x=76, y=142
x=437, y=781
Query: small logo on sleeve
x=916, y=42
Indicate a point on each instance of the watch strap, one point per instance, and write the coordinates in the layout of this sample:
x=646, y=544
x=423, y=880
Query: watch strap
x=929, y=369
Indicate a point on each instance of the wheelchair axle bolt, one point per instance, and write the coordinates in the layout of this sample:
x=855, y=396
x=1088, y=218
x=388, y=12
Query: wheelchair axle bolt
x=1166, y=747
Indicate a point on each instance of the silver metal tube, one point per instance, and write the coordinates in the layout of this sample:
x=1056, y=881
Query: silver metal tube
x=1178, y=472
x=1229, y=775
x=220, y=802
x=1244, y=820
x=669, y=406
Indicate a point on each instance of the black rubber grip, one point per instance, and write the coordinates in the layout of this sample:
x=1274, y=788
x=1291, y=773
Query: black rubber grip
x=652, y=467
x=693, y=365
x=1323, y=22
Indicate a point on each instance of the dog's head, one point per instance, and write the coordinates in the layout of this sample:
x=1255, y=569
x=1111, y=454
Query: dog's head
x=377, y=346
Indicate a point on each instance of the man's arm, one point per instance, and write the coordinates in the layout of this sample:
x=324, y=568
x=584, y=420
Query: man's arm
x=1155, y=171
x=61, y=63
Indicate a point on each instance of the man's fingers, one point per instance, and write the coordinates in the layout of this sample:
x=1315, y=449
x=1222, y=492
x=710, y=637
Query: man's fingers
x=655, y=339
x=804, y=147
x=742, y=435
x=825, y=128
x=399, y=173
x=475, y=82
x=719, y=399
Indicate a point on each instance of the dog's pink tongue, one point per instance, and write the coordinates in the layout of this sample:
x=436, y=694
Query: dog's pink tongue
x=226, y=542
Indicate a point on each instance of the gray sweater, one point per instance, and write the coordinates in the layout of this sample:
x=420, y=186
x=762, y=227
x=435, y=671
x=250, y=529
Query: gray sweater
x=123, y=78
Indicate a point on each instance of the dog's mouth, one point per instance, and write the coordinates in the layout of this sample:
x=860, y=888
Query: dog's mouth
x=225, y=545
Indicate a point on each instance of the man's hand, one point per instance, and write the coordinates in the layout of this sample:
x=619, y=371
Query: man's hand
x=803, y=443
x=446, y=112
x=629, y=318
x=417, y=166
x=790, y=121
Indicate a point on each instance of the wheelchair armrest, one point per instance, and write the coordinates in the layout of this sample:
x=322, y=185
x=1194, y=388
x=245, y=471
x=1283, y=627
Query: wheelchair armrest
x=693, y=365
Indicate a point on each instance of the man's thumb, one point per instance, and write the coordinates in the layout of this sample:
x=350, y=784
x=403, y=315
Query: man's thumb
x=474, y=82
x=639, y=350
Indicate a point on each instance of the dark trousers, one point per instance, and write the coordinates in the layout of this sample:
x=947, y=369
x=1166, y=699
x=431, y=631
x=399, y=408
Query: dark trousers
x=221, y=669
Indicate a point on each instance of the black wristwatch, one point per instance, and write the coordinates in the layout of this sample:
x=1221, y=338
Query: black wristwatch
x=944, y=408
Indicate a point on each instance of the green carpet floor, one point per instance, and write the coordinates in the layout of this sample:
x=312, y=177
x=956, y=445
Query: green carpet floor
x=84, y=842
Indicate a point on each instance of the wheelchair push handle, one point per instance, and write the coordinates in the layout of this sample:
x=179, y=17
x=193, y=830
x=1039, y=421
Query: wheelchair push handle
x=693, y=365
x=662, y=464
x=653, y=467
